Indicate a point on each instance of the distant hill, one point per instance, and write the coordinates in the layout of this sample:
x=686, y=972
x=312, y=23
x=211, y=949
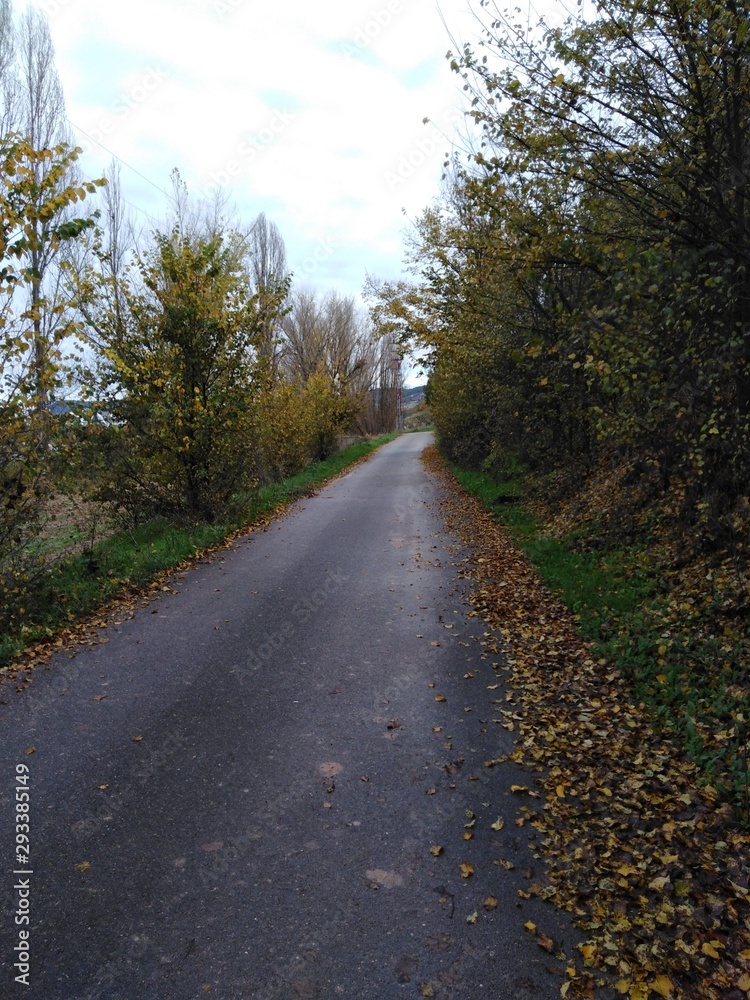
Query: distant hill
x=413, y=397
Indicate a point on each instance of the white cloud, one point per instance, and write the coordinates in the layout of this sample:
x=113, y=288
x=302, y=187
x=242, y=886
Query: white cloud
x=312, y=112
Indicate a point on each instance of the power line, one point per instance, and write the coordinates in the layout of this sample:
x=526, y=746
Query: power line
x=119, y=159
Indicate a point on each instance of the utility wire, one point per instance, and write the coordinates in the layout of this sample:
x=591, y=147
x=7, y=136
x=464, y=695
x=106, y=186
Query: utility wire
x=119, y=159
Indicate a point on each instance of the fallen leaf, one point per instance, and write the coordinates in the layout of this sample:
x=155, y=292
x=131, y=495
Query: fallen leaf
x=472, y=918
x=436, y=850
x=589, y=953
x=83, y=866
x=494, y=761
x=546, y=942
x=467, y=870
x=490, y=903
x=658, y=884
x=498, y=824
x=662, y=985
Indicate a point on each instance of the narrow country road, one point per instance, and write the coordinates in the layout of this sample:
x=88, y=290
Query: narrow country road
x=235, y=796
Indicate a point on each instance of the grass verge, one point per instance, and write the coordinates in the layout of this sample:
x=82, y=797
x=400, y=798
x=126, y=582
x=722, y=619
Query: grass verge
x=687, y=664
x=131, y=559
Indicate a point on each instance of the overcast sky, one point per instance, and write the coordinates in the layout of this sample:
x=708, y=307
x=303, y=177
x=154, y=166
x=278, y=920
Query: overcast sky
x=309, y=110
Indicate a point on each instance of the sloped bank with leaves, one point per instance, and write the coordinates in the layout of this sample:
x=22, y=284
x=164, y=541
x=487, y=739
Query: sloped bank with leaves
x=654, y=868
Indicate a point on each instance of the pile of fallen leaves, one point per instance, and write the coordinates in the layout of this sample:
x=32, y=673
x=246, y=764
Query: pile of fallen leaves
x=655, y=869
x=697, y=620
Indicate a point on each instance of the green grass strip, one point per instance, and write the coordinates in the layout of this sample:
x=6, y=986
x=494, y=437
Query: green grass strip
x=615, y=596
x=75, y=587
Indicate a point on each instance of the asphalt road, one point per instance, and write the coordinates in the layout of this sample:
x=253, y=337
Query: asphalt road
x=236, y=795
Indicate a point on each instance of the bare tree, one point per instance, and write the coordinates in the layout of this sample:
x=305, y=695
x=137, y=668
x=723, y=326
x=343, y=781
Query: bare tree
x=7, y=68
x=267, y=272
x=268, y=266
x=332, y=335
x=42, y=120
x=303, y=350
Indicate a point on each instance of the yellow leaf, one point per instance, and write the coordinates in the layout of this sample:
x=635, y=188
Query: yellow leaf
x=639, y=991
x=467, y=870
x=490, y=903
x=530, y=926
x=437, y=850
x=623, y=986
x=659, y=883
x=560, y=791
x=83, y=866
x=662, y=985
x=744, y=982
x=588, y=951
x=472, y=918
x=499, y=823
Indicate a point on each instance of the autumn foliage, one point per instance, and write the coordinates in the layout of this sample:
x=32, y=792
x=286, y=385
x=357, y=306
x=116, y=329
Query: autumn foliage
x=580, y=296
x=581, y=289
x=35, y=212
x=652, y=867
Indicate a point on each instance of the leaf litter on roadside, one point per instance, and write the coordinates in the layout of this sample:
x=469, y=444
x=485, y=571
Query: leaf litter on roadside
x=654, y=869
